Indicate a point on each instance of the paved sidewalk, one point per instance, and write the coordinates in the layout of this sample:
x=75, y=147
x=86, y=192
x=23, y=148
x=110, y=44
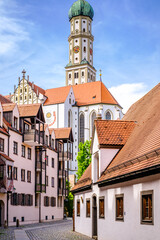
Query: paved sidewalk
x=58, y=230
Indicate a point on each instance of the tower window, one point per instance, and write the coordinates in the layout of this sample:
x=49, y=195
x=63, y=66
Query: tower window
x=76, y=41
x=88, y=75
x=20, y=90
x=69, y=75
x=76, y=21
x=91, y=77
x=84, y=22
x=76, y=75
x=84, y=29
x=84, y=40
x=84, y=49
x=76, y=59
x=82, y=74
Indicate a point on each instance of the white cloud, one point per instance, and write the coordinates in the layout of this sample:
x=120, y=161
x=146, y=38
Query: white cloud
x=12, y=29
x=127, y=94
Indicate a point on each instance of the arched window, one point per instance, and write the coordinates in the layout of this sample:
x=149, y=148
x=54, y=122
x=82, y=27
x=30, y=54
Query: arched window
x=69, y=118
x=84, y=49
x=108, y=116
x=93, y=117
x=81, y=129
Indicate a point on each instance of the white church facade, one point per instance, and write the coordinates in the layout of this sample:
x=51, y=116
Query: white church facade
x=77, y=104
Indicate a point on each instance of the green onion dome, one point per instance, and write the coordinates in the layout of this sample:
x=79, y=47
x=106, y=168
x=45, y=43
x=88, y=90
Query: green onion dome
x=81, y=8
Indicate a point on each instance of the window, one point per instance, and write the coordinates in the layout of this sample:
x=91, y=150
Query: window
x=81, y=128
x=15, y=173
x=15, y=122
x=26, y=127
x=1, y=144
x=84, y=29
x=82, y=74
x=53, y=201
x=101, y=207
x=15, y=148
x=23, y=151
x=46, y=180
x=29, y=176
x=78, y=208
x=46, y=201
x=69, y=75
x=23, y=199
x=22, y=175
x=84, y=49
x=69, y=100
x=76, y=75
x=20, y=90
x=46, y=140
x=52, y=143
x=88, y=75
x=84, y=40
x=84, y=22
x=29, y=153
x=9, y=172
x=147, y=208
x=1, y=172
x=93, y=117
x=108, y=115
x=119, y=207
x=14, y=199
x=69, y=118
x=88, y=210
x=52, y=181
x=52, y=162
x=29, y=200
x=46, y=160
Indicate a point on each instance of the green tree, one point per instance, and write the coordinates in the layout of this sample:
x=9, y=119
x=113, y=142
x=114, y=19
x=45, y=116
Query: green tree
x=68, y=204
x=83, y=157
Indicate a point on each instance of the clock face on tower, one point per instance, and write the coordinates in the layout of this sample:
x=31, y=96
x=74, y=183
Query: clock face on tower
x=76, y=49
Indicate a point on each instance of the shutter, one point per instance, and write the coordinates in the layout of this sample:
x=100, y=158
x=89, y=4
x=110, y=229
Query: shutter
x=45, y=201
x=48, y=202
x=19, y=199
x=16, y=199
x=54, y=203
x=51, y=201
x=117, y=204
x=121, y=202
x=31, y=200
x=150, y=206
x=143, y=207
x=12, y=199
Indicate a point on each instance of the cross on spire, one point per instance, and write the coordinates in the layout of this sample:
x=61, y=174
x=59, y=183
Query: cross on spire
x=100, y=74
x=24, y=72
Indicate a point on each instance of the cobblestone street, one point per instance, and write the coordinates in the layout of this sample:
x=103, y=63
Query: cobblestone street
x=61, y=230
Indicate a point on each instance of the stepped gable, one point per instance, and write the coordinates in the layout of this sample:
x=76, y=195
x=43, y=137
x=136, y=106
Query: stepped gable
x=143, y=147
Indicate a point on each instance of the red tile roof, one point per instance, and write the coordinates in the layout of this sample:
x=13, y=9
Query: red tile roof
x=29, y=110
x=85, y=94
x=35, y=88
x=113, y=132
x=8, y=107
x=56, y=95
x=145, y=137
x=6, y=157
x=4, y=99
x=85, y=180
x=62, y=133
x=3, y=130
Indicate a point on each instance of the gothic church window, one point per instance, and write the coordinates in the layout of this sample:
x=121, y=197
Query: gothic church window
x=93, y=117
x=108, y=116
x=81, y=130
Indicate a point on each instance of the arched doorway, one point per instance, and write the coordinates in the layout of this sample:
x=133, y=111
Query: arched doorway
x=94, y=217
x=1, y=213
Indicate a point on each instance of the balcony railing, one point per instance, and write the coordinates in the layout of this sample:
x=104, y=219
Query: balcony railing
x=62, y=192
x=67, y=155
x=32, y=136
x=38, y=188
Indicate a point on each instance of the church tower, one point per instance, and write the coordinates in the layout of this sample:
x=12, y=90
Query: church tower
x=80, y=67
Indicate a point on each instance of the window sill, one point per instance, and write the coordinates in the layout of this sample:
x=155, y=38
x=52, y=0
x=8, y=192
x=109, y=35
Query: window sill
x=147, y=222
x=120, y=219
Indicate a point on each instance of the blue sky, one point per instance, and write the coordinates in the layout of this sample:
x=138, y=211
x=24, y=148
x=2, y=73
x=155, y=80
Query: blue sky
x=34, y=33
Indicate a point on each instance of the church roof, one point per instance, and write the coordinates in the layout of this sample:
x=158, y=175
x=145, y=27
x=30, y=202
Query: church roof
x=81, y=8
x=35, y=88
x=85, y=94
x=93, y=93
x=56, y=95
